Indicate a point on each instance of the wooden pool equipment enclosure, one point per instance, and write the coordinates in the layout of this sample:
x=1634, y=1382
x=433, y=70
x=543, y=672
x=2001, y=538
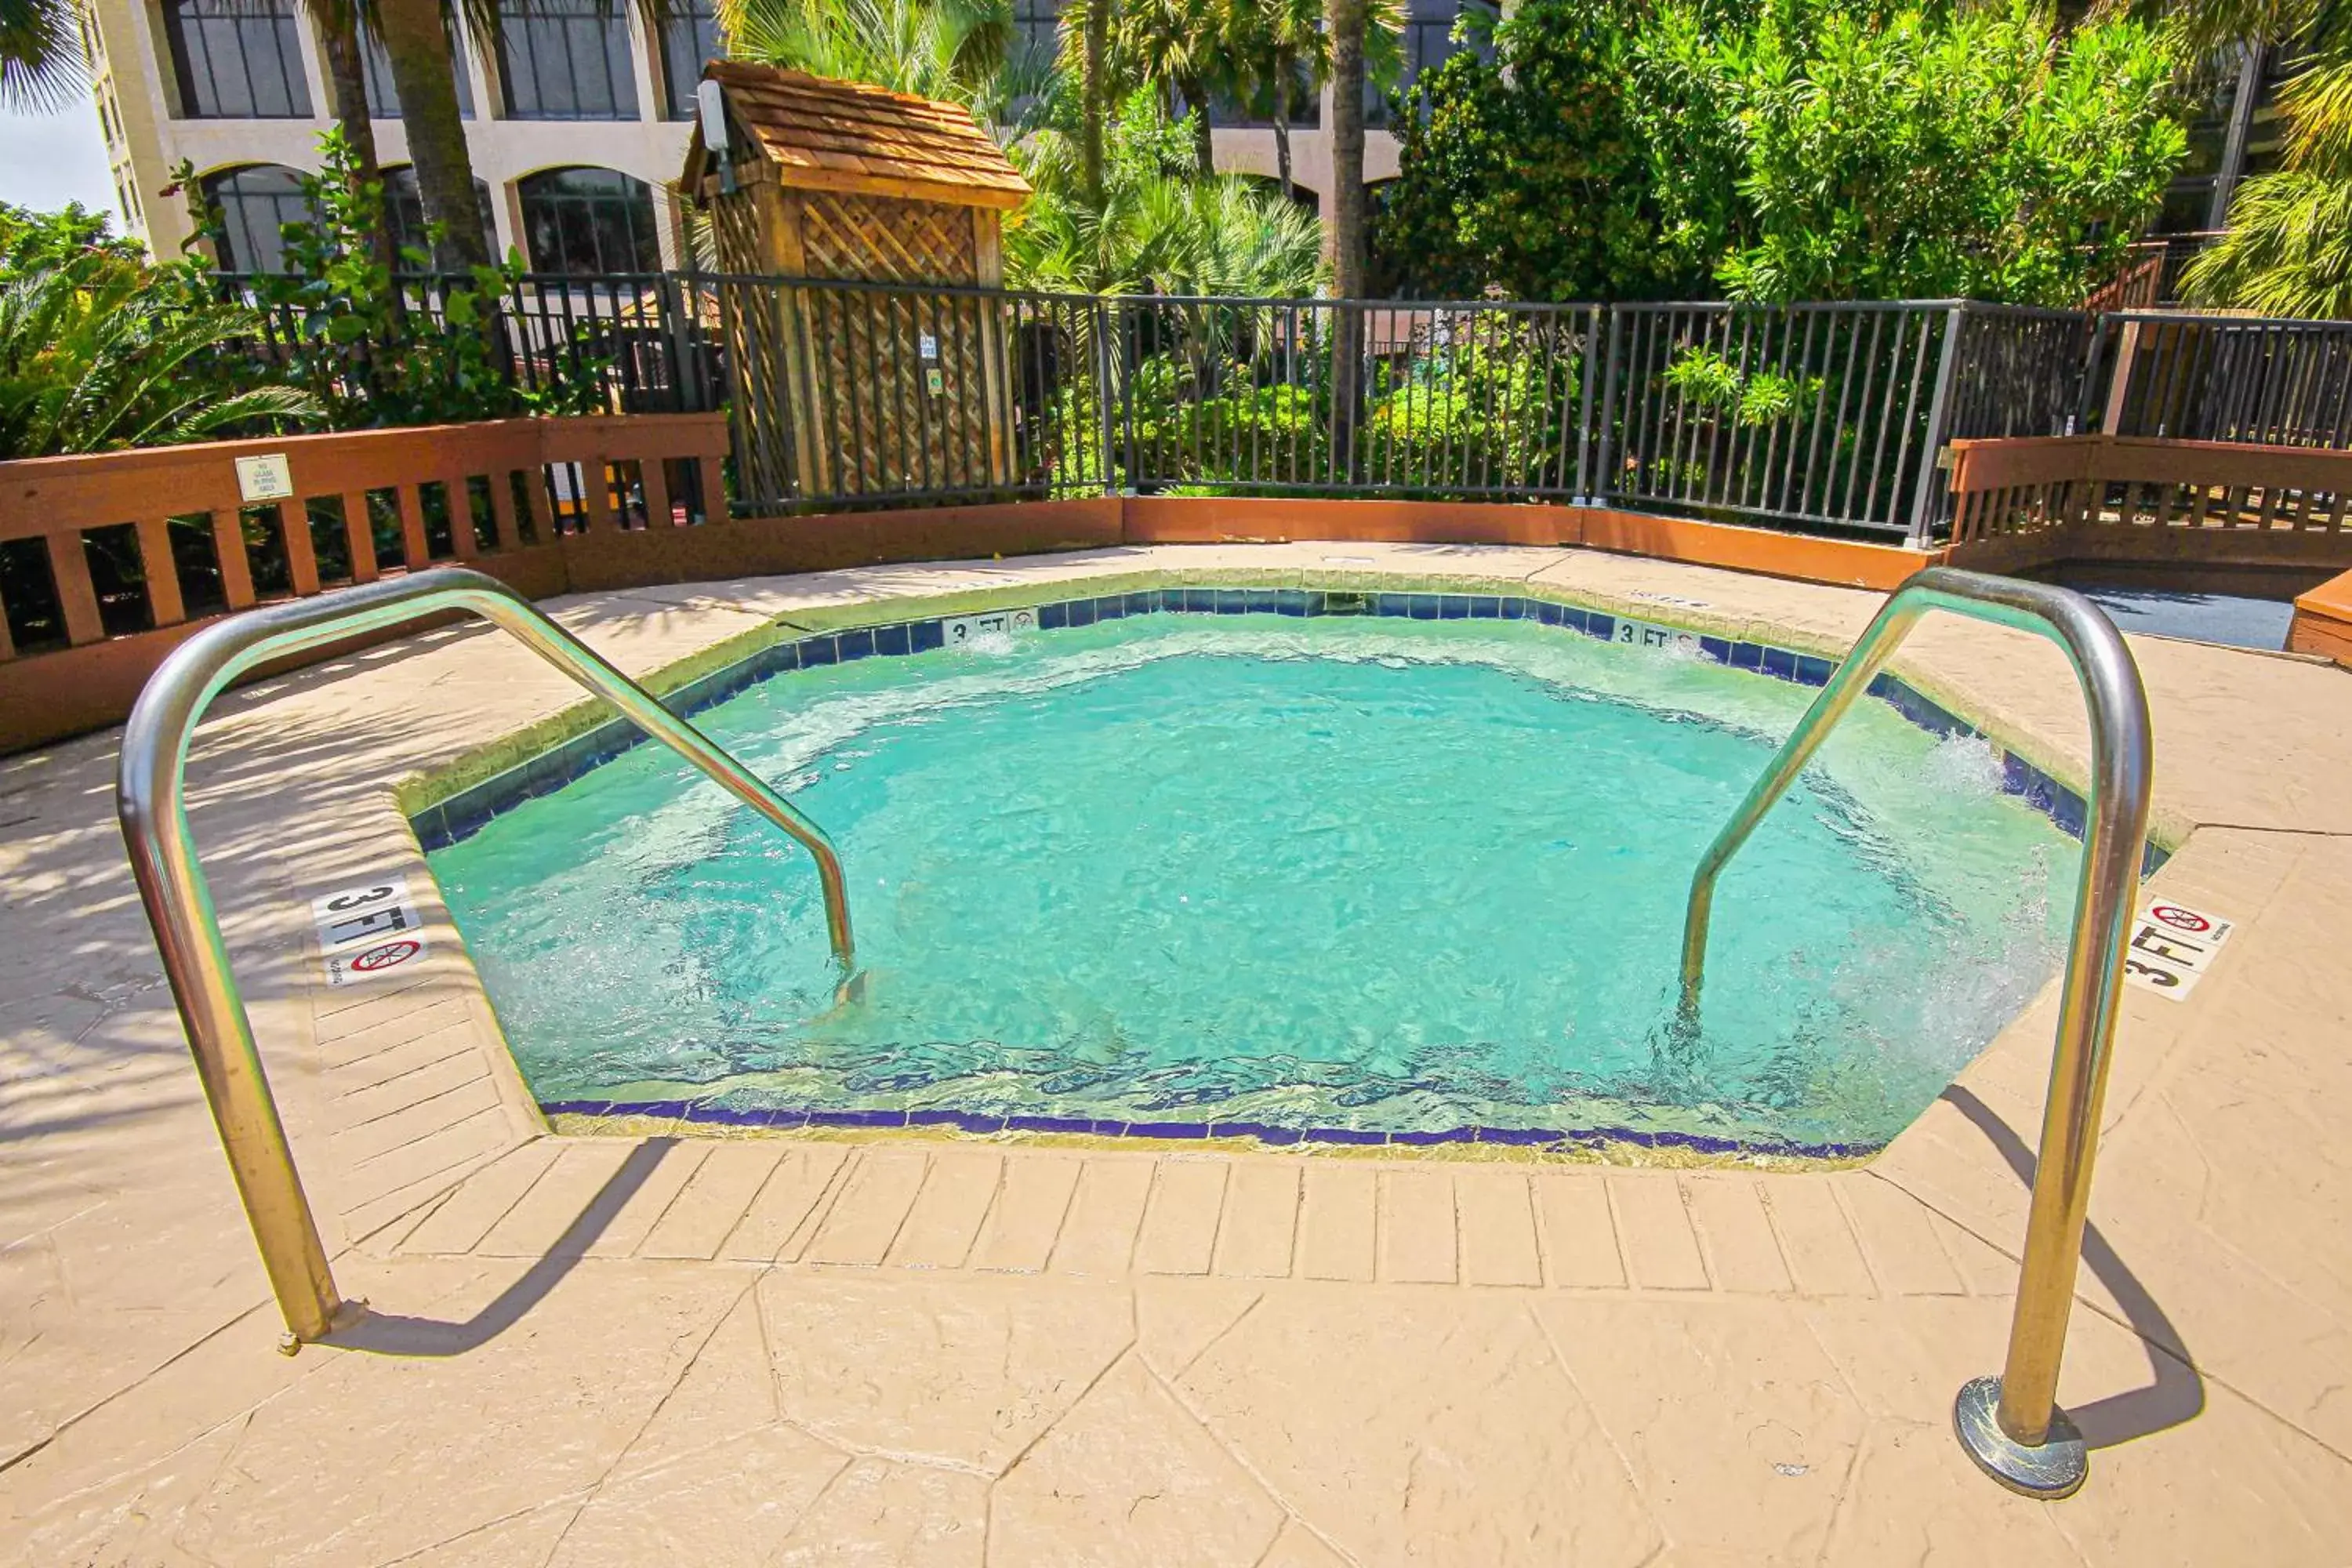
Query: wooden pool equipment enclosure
x=869, y=392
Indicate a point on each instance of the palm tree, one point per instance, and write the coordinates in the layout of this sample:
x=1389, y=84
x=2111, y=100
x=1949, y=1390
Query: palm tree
x=41, y=64
x=1343, y=226
x=415, y=34
x=1191, y=46
x=99, y=351
x=1158, y=225
x=2288, y=250
x=1086, y=32
x=1285, y=54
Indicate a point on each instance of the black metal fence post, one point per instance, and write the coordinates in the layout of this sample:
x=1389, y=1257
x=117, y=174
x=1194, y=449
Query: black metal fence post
x=1598, y=489
x=1926, y=501
x=1582, y=494
x=1104, y=427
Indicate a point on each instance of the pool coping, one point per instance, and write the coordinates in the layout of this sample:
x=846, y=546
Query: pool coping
x=448, y=805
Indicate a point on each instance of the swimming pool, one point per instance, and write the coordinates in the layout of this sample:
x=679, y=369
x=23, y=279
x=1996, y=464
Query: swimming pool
x=1356, y=876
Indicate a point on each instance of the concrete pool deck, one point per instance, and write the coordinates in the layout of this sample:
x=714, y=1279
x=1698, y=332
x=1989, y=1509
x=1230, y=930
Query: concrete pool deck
x=663, y=1348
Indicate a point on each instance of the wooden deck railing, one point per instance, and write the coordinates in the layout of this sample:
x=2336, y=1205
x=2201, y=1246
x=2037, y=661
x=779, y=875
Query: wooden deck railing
x=2211, y=502
x=106, y=560
x=149, y=538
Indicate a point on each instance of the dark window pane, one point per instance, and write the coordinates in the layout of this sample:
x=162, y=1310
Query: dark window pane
x=1428, y=43
x=383, y=101
x=588, y=221
x=566, y=59
x=689, y=38
x=238, y=59
x=403, y=208
x=255, y=203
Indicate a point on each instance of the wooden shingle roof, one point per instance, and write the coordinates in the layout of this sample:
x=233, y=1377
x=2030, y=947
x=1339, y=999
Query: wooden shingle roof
x=825, y=136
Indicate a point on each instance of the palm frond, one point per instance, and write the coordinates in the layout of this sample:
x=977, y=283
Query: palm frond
x=41, y=64
x=2288, y=251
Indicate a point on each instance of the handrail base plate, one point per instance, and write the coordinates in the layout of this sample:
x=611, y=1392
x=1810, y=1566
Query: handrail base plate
x=2055, y=1469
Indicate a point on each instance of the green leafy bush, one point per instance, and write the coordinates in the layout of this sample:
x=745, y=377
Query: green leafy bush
x=370, y=349
x=1786, y=150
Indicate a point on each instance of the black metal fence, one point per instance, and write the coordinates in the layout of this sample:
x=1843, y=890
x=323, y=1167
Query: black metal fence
x=621, y=343
x=1833, y=418
x=2226, y=378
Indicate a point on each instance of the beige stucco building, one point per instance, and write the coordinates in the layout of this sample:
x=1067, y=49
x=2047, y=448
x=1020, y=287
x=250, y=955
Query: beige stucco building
x=578, y=121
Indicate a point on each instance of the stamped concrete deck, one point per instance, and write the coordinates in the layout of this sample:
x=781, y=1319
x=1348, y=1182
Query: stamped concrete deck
x=667, y=1349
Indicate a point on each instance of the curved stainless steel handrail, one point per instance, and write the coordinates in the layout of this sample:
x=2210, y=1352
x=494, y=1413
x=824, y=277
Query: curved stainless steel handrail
x=2011, y=1425
x=150, y=800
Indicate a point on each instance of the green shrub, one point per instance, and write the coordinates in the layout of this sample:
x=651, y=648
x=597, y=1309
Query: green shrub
x=99, y=351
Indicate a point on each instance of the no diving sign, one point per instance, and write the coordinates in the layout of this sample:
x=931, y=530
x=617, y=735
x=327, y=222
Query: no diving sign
x=2172, y=946
x=368, y=932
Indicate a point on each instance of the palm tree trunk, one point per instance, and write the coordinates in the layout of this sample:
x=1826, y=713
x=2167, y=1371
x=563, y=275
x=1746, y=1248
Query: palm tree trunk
x=339, y=41
x=426, y=78
x=1343, y=226
x=1094, y=91
x=1343, y=230
x=1205, y=145
x=1282, y=139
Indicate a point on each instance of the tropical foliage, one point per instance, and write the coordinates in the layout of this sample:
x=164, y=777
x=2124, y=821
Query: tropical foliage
x=1158, y=225
x=40, y=58
x=371, y=351
x=101, y=351
x=1242, y=393
x=957, y=51
x=1786, y=149
x=2288, y=251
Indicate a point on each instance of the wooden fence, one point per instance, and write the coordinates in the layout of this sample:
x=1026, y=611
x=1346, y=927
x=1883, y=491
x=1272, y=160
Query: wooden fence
x=112, y=559
x=2017, y=503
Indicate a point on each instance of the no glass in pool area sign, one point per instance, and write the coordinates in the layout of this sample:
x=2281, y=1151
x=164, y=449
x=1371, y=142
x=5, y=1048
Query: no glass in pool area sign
x=367, y=932
x=2172, y=946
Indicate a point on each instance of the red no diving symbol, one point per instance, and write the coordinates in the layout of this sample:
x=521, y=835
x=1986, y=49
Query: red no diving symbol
x=2179, y=918
x=389, y=955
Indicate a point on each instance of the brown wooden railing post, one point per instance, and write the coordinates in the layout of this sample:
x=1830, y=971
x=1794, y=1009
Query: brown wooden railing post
x=416, y=552
x=228, y=545
x=164, y=604
x=502, y=506
x=652, y=473
x=301, y=559
x=77, y=598
x=359, y=530
x=460, y=502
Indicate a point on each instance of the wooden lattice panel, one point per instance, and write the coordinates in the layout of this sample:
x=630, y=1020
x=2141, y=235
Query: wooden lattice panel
x=885, y=240
x=883, y=426
x=735, y=223
x=755, y=319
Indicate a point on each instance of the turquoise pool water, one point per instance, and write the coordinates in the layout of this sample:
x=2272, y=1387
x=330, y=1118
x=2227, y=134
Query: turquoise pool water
x=1337, y=872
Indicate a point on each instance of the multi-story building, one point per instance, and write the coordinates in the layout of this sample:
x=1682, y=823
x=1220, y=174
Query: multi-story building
x=577, y=121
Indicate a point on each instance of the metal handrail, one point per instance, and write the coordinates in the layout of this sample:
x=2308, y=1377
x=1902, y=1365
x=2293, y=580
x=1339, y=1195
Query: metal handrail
x=150, y=799
x=2011, y=1425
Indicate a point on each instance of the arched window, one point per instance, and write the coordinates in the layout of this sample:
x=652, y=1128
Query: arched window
x=404, y=209
x=587, y=221
x=254, y=202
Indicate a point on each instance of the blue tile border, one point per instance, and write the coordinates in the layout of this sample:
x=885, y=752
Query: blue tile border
x=467, y=812
x=1542, y=1138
